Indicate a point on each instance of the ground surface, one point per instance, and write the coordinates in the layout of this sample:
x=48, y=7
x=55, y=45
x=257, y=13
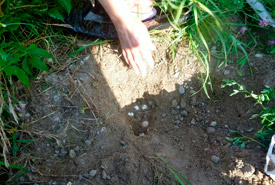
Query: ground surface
x=85, y=134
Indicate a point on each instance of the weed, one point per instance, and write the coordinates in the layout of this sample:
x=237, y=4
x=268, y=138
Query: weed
x=267, y=114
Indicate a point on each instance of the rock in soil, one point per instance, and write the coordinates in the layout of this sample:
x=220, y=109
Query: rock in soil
x=72, y=154
x=215, y=159
x=181, y=90
x=92, y=173
x=211, y=130
x=174, y=103
x=213, y=124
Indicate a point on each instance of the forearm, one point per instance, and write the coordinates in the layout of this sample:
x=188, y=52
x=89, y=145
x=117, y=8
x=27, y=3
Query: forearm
x=117, y=10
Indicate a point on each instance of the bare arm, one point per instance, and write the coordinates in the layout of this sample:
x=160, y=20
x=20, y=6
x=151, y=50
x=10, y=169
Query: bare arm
x=133, y=35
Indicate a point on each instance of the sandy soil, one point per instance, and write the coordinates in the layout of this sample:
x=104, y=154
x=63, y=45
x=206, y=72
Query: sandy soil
x=81, y=118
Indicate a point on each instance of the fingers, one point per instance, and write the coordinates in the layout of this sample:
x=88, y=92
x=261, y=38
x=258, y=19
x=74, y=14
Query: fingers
x=130, y=60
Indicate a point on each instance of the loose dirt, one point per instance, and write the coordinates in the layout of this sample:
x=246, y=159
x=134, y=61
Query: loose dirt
x=87, y=123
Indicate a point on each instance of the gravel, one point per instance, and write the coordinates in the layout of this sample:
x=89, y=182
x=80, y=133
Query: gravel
x=183, y=104
x=211, y=130
x=193, y=121
x=258, y=55
x=181, y=90
x=184, y=113
x=174, y=103
x=215, y=159
x=213, y=124
x=173, y=112
x=92, y=173
x=72, y=154
x=163, y=115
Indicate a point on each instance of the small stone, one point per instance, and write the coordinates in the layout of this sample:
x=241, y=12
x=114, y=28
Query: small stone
x=258, y=55
x=72, y=154
x=215, y=159
x=71, y=67
x=178, y=107
x=193, y=121
x=88, y=142
x=92, y=173
x=213, y=124
x=56, y=98
x=214, y=49
x=226, y=72
x=141, y=134
x=177, y=122
x=174, y=103
x=82, y=62
x=192, y=91
x=181, y=90
x=22, y=179
x=144, y=107
x=181, y=119
x=225, y=126
x=248, y=171
x=184, y=113
x=77, y=148
x=131, y=114
x=27, y=115
x=80, y=176
x=211, y=130
x=87, y=57
x=57, y=119
x=250, y=130
x=173, y=112
x=136, y=107
x=177, y=127
x=163, y=115
x=182, y=104
x=108, y=177
x=193, y=100
x=103, y=129
x=104, y=175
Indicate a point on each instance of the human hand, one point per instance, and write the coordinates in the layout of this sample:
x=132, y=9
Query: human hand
x=136, y=44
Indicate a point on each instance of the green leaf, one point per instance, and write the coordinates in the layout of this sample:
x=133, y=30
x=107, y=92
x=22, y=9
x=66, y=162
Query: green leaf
x=38, y=63
x=66, y=4
x=229, y=139
x=243, y=145
x=21, y=75
x=35, y=51
x=25, y=140
x=272, y=51
x=26, y=67
x=2, y=163
x=55, y=13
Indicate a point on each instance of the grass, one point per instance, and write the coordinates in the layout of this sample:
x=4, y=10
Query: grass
x=266, y=114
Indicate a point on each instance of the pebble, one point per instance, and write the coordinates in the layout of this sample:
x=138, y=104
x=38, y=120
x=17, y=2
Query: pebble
x=71, y=67
x=57, y=119
x=163, y=115
x=145, y=124
x=213, y=124
x=173, y=112
x=88, y=142
x=56, y=98
x=193, y=121
x=136, y=107
x=181, y=90
x=248, y=171
x=178, y=107
x=225, y=126
x=144, y=107
x=174, y=103
x=92, y=173
x=103, y=129
x=141, y=134
x=193, y=100
x=182, y=104
x=104, y=175
x=72, y=154
x=184, y=113
x=211, y=130
x=226, y=72
x=82, y=62
x=22, y=179
x=192, y=91
x=131, y=114
x=258, y=55
x=215, y=159
x=250, y=130
x=27, y=115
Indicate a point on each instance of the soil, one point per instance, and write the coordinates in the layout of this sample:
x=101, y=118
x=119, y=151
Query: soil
x=88, y=122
